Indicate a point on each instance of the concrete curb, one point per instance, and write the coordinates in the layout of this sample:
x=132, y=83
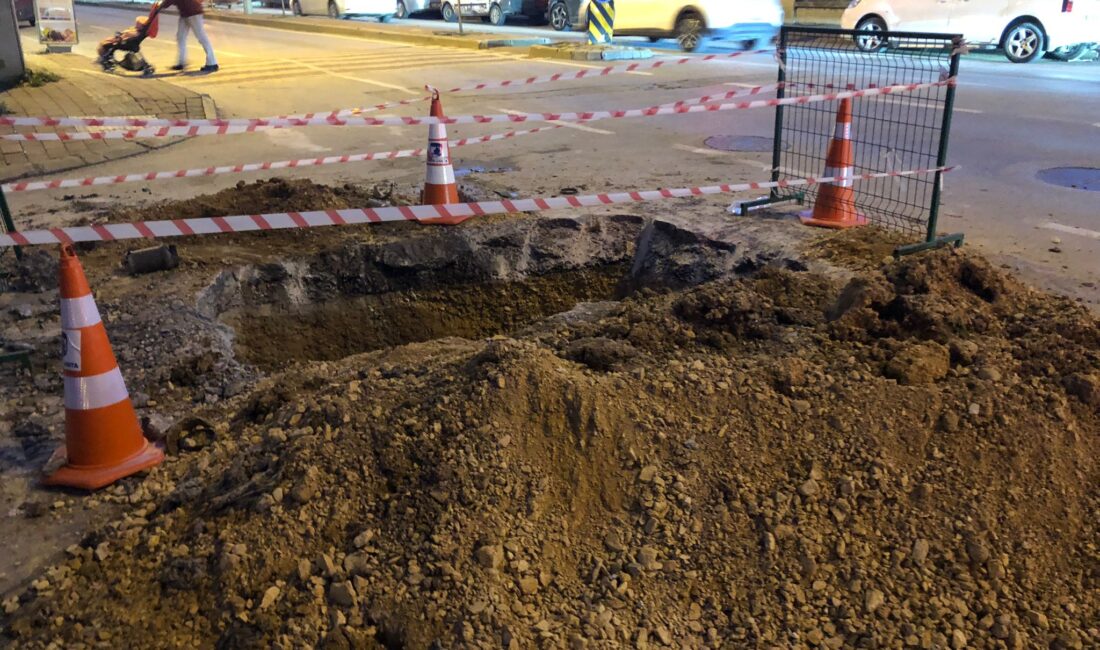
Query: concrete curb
x=584, y=52
x=355, y=30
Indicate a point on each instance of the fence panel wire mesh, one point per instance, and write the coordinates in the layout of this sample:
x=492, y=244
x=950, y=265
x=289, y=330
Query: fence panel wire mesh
x=889, y=132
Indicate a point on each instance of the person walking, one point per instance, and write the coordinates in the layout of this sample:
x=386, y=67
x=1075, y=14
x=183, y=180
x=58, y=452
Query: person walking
x=191, y=21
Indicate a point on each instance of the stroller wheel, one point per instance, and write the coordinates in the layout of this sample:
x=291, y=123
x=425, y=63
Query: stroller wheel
x=148, y=71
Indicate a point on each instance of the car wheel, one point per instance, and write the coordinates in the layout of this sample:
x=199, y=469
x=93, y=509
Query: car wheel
x=1024, y=43
x=689, y=32
x=449, y=14
x=296, y=8
x=875, y=39
x=559, y=17
x=1071, y=52
x=333, y=10
x=496, y=15
x=402, y=11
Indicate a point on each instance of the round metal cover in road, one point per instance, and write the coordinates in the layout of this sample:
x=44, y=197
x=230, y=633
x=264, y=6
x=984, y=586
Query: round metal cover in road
x=1078, y=178
x=739, y=143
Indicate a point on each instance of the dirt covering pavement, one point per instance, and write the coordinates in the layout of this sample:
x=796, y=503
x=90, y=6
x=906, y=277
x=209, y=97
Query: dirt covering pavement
x=896, y=454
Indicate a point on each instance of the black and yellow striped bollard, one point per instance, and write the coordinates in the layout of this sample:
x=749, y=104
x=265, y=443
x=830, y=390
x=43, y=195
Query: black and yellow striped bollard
x=601, y=21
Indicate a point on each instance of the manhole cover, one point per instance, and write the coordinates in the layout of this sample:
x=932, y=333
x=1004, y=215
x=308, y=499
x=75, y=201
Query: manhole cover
x=739, y=143
x=1079, y=178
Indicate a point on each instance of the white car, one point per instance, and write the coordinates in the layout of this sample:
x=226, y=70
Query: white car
x=691, y=23
x=341, y=8
x=1024, y=28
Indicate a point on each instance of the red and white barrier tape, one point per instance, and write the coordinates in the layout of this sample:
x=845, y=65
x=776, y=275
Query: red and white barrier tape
x=30, y=186
x=511, y=83
x=603, y=72
x=349, y=111
x=221, y=127
x=320, y=218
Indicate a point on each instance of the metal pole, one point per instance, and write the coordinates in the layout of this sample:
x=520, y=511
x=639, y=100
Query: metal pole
x=9, y=223
x=283, y=7
x=459, y=3
x=780, y=93
x=945, y=132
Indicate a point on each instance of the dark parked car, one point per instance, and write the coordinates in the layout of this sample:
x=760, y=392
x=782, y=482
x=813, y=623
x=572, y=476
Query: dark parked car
x=563, y=14
x=536, y=10
x=24, y=10
x=494, y=11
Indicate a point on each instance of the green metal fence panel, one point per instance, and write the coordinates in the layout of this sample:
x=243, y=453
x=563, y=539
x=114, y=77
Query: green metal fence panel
x=890, y=132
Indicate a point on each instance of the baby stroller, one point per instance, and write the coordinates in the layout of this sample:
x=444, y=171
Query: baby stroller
x=128, y=42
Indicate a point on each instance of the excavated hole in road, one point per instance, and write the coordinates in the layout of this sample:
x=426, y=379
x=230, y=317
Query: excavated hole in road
x=487, y=277
x=272, y=335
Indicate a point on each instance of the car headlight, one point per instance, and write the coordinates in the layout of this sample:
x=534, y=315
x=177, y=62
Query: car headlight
x=853, y=4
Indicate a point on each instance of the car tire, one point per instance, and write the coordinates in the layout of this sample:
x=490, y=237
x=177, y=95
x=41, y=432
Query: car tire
x=875, y=41
x=689, y=31
x=448, y=12
x=333, y=11
x=1071, y=52
x=496, y=15
x=296, y=8
x=559, y=17
x=1024, y=42
x=401, y=11
x=654, y=39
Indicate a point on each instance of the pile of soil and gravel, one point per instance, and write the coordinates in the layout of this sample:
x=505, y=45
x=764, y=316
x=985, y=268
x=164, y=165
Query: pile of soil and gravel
x=786, y=459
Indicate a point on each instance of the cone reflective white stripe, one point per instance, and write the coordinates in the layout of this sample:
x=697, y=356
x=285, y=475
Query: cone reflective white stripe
x=79, y=312
x=845, y=173
x=440, y=170
x=96, y=392
x=843, y=131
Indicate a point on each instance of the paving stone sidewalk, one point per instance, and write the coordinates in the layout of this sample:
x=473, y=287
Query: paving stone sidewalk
x=85, y=91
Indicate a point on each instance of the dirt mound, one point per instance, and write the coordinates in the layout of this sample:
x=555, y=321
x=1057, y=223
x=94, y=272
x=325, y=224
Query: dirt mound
x=729, y=466
x=261, y=197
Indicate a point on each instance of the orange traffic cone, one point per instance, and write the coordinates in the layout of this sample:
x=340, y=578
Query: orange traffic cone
x=440, y=187
x=836, y=202
x=103, y=440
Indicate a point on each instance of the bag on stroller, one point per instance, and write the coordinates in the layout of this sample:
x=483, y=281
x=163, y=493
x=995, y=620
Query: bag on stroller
x=128, y=42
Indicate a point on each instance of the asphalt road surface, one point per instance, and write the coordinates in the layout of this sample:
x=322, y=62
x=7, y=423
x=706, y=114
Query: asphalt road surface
x=1011, y=122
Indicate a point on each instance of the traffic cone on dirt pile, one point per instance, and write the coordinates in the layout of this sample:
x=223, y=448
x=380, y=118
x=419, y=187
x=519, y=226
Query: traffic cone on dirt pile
x=440, y=187
x=103, y=439
x=836, y=202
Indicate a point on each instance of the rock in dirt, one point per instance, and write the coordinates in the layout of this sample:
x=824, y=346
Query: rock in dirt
x=922, y=363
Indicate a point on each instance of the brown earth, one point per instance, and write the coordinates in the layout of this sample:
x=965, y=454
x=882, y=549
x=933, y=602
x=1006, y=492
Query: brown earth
x=783, y=460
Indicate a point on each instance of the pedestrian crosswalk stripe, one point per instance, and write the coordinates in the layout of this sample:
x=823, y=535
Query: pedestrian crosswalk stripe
x=293, y=69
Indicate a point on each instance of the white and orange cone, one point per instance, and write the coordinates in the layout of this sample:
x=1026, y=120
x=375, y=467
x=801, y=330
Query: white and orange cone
x=836, y=202
x=103, y=439
x=440, y=187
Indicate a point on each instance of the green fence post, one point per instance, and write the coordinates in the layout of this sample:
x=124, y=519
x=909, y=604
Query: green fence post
x=932, y=240
x=9, y=224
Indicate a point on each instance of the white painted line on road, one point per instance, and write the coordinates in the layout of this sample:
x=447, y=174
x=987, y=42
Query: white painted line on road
x=569, y=125
x=925, y=105
x=727, y=155
x=1072, y=230
x=338, y=75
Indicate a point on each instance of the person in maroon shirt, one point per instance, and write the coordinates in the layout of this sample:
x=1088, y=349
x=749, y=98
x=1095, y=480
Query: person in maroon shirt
x=191, y=20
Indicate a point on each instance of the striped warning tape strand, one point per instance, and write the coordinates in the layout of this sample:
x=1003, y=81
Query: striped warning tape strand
x=30, y=186
x=229, y=127
x=321, y=218
x=488, y=85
